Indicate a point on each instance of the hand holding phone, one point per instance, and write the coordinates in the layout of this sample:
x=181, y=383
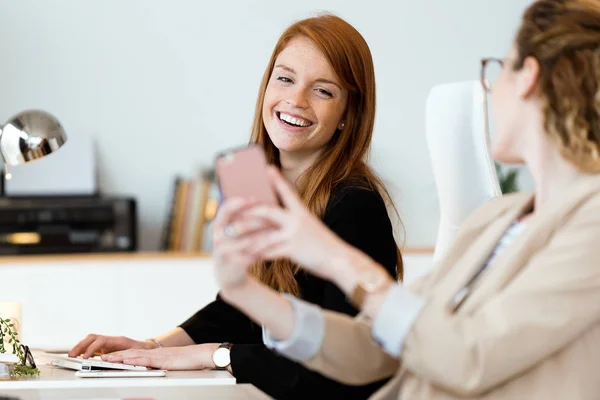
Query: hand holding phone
x=243, y=173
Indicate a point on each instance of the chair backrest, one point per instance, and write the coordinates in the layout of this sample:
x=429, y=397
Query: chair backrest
x=459, y=147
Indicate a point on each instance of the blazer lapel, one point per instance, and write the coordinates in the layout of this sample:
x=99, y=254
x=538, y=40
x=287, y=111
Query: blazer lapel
x=475, y=252
x=536, y=234
x=462, y=254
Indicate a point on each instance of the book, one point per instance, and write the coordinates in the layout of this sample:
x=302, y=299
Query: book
x=192, y=207
x=166, y=232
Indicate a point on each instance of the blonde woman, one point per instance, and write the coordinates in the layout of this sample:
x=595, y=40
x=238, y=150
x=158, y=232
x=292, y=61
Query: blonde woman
x=513, y=311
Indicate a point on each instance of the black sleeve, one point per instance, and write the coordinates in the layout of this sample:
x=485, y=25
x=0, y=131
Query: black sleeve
x=220, y=322
x=360, y=218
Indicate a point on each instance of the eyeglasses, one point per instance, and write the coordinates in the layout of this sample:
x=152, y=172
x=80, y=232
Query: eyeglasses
x=27, y=356
x=491, y=68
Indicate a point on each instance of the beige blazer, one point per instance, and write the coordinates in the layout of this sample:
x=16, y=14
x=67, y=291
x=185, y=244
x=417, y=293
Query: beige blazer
x=529, y=330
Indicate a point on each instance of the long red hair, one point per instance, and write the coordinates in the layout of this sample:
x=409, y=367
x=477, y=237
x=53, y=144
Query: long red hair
x=345, y=157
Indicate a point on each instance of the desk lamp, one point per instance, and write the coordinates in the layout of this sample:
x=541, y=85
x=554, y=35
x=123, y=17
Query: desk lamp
x=28, y=136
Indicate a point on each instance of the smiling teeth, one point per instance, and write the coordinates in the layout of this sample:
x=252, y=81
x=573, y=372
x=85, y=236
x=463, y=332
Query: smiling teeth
x=294, y=121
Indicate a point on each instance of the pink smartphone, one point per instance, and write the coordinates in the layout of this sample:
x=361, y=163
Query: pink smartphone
x=243, y=173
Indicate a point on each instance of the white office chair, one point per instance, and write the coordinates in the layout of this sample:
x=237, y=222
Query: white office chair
x=459, y=148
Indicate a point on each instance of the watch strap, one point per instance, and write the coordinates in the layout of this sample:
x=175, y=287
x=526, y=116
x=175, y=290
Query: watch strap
x=357, y=298
x=370, y=282
x=226, y=345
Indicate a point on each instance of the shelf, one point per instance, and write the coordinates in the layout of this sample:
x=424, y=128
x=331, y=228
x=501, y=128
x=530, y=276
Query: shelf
x=141, y=256
x=100, y=257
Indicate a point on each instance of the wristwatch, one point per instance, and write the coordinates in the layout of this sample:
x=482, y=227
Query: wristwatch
x=221, y=357
x=369, y=282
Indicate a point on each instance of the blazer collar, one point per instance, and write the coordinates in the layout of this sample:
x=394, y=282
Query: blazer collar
x=538, y=230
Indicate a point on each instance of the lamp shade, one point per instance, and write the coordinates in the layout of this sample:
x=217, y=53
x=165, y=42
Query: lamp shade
x=30, y=135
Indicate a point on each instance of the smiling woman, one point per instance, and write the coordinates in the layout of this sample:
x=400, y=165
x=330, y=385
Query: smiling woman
x=314, y=119
x=304, y=102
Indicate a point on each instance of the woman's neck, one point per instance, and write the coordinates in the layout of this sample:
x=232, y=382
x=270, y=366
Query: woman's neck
x=552, y=174
x=552, y=183
x=294, y=164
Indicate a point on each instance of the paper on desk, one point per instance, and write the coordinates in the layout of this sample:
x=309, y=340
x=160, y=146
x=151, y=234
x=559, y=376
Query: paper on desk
x=8, y=358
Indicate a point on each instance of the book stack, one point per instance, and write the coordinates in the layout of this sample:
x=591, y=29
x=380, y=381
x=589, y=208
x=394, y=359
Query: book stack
x=193, y=206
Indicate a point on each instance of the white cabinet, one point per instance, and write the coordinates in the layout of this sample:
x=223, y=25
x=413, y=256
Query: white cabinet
x=64, y=298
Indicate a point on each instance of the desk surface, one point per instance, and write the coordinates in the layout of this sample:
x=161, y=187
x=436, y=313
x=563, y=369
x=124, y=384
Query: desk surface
x=230, y=392
x=57, y=383
x=59, y=378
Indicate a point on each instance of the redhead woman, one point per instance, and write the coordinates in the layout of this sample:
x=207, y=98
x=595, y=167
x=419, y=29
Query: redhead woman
x=314, y=119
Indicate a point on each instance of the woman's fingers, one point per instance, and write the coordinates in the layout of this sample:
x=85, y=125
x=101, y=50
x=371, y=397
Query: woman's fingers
x=266, y=241
x=272, y=252
x=83, y=345
x=286, y=193
x=118, y=356
x=228, y=212
x=246, y=225
x=144, y=358
x=276, y=216
x=240, y=245
x=95, y=347
x=145, y=362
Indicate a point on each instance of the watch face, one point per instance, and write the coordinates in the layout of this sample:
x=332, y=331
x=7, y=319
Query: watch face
x=221, y=357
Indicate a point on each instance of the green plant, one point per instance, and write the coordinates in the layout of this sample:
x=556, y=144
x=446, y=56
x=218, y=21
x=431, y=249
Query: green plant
x=508, y=179
x=25, y=370
x=7, y=330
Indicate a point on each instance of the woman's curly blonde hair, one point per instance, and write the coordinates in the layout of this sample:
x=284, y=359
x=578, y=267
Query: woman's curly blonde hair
x=564, y=37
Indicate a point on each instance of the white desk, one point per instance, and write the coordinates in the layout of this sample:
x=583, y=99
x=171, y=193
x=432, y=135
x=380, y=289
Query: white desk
x=232, y=392
x=57, y=383
x=53, y=378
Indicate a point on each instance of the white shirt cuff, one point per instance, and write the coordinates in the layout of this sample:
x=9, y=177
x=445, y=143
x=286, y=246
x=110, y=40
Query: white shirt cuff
x=396, y=316
x=306, y=339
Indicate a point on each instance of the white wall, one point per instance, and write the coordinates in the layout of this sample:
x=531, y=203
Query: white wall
x=163, y=85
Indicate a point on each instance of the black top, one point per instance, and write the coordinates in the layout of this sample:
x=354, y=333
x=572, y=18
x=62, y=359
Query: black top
x=358, y=216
